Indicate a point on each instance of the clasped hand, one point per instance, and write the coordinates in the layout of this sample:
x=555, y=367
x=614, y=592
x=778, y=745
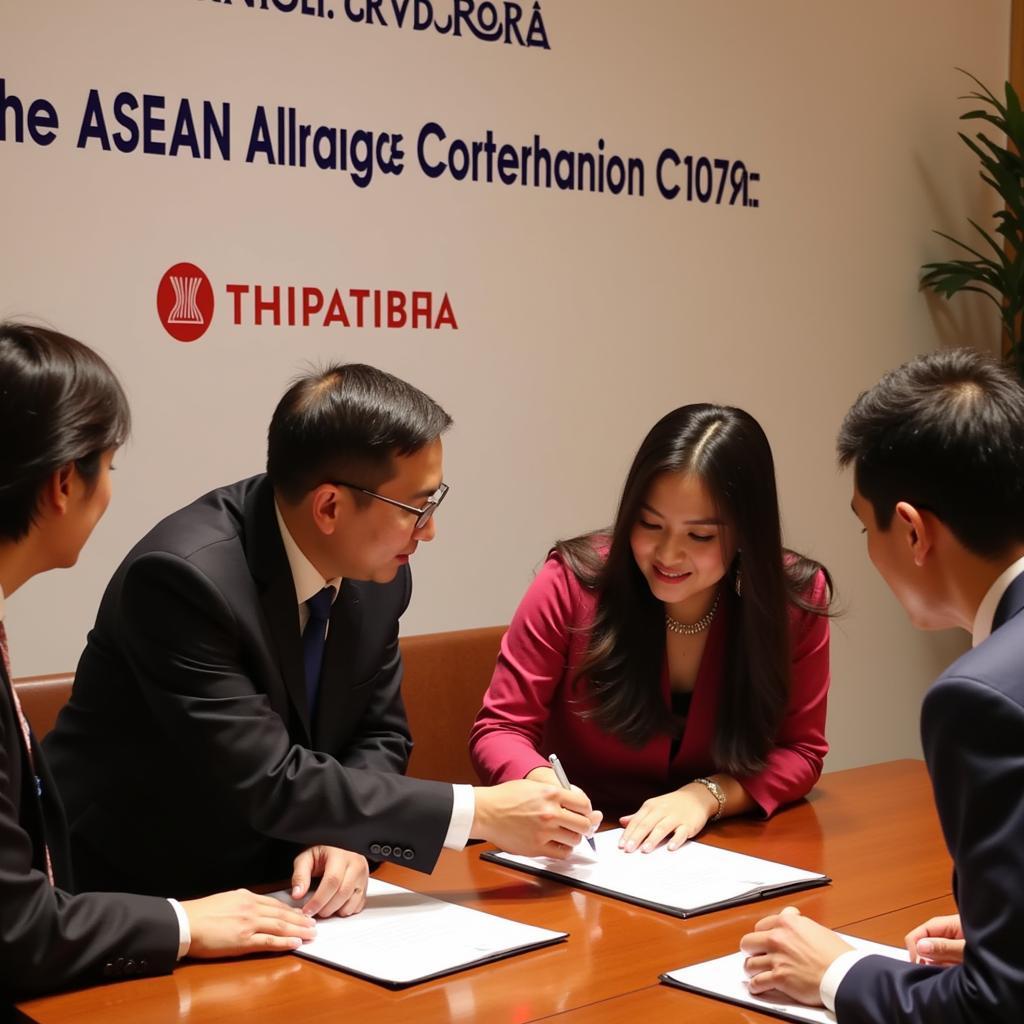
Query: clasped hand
x=790, y=953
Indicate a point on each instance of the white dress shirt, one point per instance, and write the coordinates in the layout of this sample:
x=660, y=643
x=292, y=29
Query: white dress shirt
x=184, y=932
x=986, y=612
x=833, y=977
x=981, y=631
x=308, y=583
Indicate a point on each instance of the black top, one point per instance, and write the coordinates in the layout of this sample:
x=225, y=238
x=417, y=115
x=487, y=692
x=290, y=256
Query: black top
x=681, y=700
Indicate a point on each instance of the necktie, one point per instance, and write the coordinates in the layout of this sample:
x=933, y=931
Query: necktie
x=26, y=734
x=314, y=639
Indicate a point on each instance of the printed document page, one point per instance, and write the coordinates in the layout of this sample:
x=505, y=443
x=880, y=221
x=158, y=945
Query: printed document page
x=693, y=877
x=402, y=937
x=724, y=979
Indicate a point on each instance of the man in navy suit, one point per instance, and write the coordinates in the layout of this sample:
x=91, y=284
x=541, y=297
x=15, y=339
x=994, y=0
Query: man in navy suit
x=240, y=692
x=937, y=448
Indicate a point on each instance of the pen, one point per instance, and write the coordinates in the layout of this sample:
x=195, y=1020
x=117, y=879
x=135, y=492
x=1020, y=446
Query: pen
x=563, y=781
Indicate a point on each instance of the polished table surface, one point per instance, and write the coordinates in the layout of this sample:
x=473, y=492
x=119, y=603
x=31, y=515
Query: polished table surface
x=661, y=1003
x=873, y=830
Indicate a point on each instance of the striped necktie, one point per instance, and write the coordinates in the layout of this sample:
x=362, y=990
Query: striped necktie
x=26, y=734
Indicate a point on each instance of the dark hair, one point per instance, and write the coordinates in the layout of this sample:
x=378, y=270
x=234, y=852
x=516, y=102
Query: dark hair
x=59, y=404
x=728, y=450
x=346, y=422
x=944, y=432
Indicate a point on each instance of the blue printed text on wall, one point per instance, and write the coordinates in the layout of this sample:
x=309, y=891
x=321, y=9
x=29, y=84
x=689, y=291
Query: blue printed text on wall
x=507, y=22
x=131, y=123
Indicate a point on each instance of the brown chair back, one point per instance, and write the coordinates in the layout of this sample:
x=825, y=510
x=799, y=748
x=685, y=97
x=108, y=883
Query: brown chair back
x=446, y=675
x=41, y=699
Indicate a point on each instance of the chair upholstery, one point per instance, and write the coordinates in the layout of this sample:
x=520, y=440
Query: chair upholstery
x=42, y=697
x=446, y=675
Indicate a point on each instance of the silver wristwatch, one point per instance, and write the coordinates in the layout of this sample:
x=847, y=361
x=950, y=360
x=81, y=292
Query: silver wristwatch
x=717, y=792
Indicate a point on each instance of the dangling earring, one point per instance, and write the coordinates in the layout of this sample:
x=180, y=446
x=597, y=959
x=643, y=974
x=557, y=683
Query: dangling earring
x=737, y=581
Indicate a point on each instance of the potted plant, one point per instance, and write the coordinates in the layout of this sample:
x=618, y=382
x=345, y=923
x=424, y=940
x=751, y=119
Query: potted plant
x=998, y=271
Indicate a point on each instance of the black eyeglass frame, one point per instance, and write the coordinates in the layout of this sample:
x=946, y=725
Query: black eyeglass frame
x=423, y=515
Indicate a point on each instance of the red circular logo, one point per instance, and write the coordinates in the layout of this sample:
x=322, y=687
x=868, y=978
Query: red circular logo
x=184, y=302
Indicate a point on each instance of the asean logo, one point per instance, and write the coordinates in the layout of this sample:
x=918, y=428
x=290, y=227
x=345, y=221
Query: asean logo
x=184, y=302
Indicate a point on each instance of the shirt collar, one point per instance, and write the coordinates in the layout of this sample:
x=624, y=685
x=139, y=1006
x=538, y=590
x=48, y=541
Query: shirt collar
x=986, y=613
x=308, y=581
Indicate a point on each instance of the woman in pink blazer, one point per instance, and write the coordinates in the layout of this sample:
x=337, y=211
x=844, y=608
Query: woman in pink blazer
x=678, y=663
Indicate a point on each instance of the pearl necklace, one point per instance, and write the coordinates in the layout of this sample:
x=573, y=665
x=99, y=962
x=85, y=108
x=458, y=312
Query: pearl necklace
x=692, y=628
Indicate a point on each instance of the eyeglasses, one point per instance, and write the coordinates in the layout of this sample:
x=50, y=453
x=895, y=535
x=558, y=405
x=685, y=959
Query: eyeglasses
x=423, y=515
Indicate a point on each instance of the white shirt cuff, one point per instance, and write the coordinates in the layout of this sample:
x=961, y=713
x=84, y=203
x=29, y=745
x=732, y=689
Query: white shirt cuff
x=463, y=813
x=833, y=977
x=184, y=931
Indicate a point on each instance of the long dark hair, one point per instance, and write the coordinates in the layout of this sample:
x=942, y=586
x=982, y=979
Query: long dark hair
x=727, y=449
x=59, y=404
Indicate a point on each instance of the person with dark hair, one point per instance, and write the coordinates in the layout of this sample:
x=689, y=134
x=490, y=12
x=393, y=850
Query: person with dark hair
x=678, y=663
x=937, y=449
x=239, y=697
x=62, y=417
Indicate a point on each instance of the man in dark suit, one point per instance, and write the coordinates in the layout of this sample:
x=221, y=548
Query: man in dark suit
x=239, y=697
x=62, y=415
x=937, y=448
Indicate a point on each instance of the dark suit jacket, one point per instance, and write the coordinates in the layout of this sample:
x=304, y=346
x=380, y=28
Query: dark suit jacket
x=972, y=724
x=186, y=757
x=48, y=938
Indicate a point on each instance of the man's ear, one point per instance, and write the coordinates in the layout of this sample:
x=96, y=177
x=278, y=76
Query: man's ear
x=56, y=493
x=326, y=507
x=918, y=530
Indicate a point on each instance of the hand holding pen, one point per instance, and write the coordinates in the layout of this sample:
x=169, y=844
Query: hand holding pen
x=563, y=781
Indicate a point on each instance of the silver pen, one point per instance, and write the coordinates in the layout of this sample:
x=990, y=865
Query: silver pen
x=563, y=781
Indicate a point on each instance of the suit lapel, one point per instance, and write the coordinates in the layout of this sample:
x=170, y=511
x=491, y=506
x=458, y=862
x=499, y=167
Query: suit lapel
x=268, y=564
x=342, y=641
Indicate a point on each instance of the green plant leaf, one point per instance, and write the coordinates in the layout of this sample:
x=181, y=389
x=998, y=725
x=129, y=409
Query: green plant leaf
x=963, y=245
x=984, y=115
x=1000, y=158
x=1012, y=102
x=974, y=147
x=988, y=238
x=984, y=88
x=951, y=278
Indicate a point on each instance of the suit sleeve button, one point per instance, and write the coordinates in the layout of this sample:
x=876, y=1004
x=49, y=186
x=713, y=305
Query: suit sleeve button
x=375, y=849
x=385, y=850
x=409, y=854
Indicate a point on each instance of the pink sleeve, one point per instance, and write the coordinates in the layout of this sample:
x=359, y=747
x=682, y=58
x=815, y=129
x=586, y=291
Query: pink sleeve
x=506, y=735
x=794, y=764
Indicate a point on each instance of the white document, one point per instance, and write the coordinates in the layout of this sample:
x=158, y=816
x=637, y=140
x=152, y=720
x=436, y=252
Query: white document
x=693, y=879
x=402, y=937
x=724, y=978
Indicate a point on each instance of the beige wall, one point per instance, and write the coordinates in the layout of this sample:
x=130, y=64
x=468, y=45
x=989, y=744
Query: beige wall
x=582, y=318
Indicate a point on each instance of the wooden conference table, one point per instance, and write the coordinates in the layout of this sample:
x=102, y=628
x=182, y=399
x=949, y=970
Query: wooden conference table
x=873, y=830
